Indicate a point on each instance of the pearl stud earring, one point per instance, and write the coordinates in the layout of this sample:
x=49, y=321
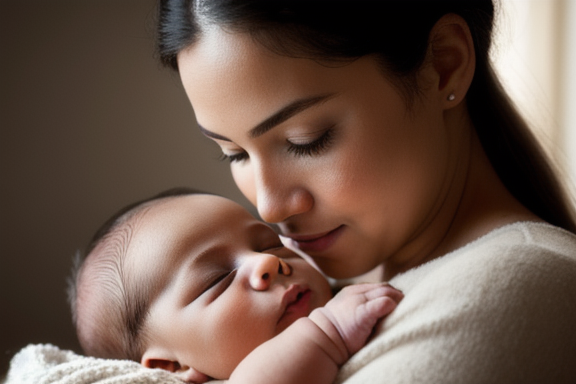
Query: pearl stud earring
x=451, y=97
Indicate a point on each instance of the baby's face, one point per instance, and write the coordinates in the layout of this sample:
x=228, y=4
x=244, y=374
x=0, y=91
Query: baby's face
x=228, y=282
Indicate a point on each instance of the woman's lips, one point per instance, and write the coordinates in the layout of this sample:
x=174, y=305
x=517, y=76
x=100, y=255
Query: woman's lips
x=319, y=242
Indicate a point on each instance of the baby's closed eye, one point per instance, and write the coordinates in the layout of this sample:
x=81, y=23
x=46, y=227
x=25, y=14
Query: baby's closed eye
x=218, y=282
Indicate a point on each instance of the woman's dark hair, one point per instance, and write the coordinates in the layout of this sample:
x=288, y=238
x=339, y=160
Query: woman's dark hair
x=396, y=33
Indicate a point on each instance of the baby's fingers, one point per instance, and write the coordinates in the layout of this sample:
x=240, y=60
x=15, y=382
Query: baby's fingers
x=384, y=290
x=380, y=307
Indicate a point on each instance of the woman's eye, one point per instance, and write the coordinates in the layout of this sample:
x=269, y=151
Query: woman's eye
x=237, y=157
x=313, y=148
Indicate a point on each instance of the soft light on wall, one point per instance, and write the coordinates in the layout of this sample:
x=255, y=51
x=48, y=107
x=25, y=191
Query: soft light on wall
x=535, y=53
x=568, y=91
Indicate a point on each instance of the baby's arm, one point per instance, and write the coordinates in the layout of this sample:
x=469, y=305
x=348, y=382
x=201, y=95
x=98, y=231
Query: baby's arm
x=312, y=348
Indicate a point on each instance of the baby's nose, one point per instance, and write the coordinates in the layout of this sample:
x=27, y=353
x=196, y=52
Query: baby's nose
x=266, y=269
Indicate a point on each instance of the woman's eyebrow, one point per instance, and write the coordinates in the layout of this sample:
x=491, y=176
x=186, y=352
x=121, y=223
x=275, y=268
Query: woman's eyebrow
x=277, y=118
x=212, y=134
x=287, y=112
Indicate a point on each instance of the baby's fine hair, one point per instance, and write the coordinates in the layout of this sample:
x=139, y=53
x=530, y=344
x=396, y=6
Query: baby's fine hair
x=109, y=305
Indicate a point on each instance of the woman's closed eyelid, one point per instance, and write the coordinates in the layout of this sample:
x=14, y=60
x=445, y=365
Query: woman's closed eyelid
x=236, y=157
x=311, y=148
x=232, y=154
x=306, y=136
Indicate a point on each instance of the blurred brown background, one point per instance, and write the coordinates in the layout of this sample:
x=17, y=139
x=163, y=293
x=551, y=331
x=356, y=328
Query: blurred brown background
x=89, y=121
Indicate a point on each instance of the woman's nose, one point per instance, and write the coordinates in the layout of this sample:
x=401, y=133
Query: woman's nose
x=279, y=197
x=275, y=207
x=266, y=269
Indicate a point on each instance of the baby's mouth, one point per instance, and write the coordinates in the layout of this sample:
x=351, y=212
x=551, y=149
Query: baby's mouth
x=297, y=299
x=300, y=303
x=297, y=305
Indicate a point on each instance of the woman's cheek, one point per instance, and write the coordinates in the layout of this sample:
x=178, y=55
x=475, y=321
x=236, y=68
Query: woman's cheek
x=244, y=178
x=340, y=174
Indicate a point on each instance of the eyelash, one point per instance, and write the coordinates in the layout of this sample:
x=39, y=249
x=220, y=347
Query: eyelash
x=313, y=148
x=309, y=149
x=234, y=158
x=227, y=278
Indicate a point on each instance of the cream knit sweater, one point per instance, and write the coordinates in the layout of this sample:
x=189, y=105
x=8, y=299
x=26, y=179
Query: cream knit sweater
x=500, y=310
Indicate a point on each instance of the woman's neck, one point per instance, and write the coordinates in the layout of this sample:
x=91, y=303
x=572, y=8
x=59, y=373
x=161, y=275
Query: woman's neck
x=476, y=203
x=486, y=204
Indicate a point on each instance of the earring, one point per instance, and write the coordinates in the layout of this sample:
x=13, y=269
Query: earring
x=451, y=97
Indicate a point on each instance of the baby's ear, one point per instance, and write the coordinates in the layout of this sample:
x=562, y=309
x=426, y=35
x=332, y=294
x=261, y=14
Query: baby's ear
x=188, y=374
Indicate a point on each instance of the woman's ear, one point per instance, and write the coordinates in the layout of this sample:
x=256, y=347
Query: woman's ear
x=157, y=358
x=452, y=55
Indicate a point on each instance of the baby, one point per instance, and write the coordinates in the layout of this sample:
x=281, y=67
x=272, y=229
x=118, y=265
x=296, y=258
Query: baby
x=194, y=284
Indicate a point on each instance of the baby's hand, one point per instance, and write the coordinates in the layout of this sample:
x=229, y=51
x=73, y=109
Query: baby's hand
x=354, y=312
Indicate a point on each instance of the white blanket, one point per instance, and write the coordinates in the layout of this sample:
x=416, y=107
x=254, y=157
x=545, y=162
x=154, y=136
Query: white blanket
x=47, y=364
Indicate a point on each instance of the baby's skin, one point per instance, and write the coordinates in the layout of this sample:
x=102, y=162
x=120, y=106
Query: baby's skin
x=229, y=300
x=313, y=348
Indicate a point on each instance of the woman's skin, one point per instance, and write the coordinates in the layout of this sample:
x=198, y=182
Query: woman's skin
x=335, y=154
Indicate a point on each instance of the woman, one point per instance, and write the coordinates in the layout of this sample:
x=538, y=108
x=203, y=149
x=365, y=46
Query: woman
x=375, y=133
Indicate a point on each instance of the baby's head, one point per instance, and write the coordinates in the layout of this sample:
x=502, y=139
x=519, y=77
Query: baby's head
x=191, y=283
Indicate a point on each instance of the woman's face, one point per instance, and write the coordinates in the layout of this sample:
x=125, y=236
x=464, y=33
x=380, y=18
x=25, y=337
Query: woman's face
x=330, y=152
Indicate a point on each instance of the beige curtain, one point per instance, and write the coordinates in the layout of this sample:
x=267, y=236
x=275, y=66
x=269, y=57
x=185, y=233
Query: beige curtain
x=535, y=55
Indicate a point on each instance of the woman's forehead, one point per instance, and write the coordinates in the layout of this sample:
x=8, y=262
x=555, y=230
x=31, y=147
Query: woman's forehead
x=233, y=81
